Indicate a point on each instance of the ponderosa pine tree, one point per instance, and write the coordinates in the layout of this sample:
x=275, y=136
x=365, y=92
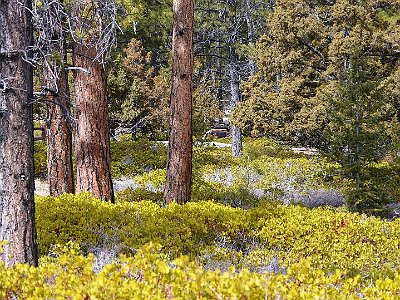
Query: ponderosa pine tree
x=92, y=137
x=59, y=133
x=52, y=38
x=179, y=163
x=17, y=207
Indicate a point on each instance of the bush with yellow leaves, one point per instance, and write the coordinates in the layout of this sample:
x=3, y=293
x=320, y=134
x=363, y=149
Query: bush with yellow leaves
x=357, y=244
x=151, y=275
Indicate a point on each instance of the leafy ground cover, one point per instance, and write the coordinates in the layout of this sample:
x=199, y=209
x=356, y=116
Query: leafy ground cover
x=150, y=275
x=266, y=170
x=273, y=250
x=206, y=230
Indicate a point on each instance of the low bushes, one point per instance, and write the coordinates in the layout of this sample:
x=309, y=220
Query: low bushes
x=266, y=170
x=139, y=194
x=40, y=159
x=289, y=234
x=152, y=275
x=354, y=243
x=87, y=221
x=271, y=251
x=130, y=158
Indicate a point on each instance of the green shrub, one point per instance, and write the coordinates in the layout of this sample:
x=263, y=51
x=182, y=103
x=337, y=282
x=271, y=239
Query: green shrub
x=298, y=253
x=139, y=194
x=153, y=180
x=229, y=186
x=87, y=221
x=40, y=159
x=263, y=147
x=129, y=158
x=355, y=243
x=287, y=179
x=254, y=148
x=220, y=157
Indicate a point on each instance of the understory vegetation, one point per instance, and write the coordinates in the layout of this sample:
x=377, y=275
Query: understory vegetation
x=271, y=224
x=273, y=250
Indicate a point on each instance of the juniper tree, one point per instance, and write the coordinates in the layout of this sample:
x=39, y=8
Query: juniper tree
x=140, y=92
x=301, y=57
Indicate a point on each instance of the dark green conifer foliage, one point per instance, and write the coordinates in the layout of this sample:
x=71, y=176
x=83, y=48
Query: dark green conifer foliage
x=359, y=117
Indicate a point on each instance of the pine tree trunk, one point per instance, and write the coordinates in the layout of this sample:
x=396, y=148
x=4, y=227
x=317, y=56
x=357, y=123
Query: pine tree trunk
x=59, y=131
x=220, y=95
x=92, y=138
x=59, y=134
x=236, y=141
x=249, y=11
x=235, y=97
x=179, y=165
x=17, y=207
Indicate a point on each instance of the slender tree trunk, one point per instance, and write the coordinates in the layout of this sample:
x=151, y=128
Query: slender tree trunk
x=59, y=134
x=357, y=155
x=235, y=97
x=220, y=95
x=250, y=33
x=17, y=207
x=92, y=138
x=236, y=141
x=179, y=165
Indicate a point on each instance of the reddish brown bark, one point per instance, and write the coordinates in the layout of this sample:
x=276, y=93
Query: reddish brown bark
x=92, y=140
x=179, y=165
x=59, y=134
x=17, y=207
x=59, y=131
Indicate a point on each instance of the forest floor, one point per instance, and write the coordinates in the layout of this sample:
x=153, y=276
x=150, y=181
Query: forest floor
x=41, y=187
